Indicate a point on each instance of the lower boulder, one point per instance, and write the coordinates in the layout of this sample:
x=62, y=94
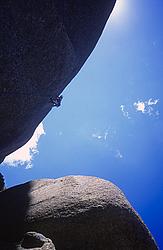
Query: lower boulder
x=75, y=212
x=33, y=240
x=30, y=241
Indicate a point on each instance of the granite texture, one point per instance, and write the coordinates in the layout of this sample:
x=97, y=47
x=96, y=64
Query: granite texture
x=75, y=212
x=43, y=45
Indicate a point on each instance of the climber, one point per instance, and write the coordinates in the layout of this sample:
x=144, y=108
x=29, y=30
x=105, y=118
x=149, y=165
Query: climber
x=57, y=101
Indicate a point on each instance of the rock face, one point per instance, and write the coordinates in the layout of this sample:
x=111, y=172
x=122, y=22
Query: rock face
x=2, y=183
x=43, y=45
x=32, y=241
x=75, y=212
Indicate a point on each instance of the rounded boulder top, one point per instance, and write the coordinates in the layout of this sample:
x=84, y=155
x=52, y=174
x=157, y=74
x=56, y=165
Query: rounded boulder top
x=75, y=212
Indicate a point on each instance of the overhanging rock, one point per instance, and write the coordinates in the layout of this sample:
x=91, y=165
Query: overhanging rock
x=43, y=45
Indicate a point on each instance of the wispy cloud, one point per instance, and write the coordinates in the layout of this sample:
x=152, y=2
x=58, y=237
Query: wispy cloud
x=147, y=107
x=152, y=102
x=97, y=136
x=108, y=139
x=101, y=135
x=24, y=155
x=118, y=154
x=124, y=112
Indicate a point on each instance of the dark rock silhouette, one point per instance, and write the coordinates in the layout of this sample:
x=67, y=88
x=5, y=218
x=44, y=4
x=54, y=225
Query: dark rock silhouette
x=2, y=183
x=43, y=45
x=75, y=212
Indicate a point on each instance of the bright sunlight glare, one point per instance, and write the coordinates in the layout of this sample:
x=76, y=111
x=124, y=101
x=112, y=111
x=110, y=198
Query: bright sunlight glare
x=119, y=7
x=118, y=13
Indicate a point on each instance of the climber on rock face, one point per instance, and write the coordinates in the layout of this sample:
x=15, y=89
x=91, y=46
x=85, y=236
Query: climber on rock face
x=57, y=101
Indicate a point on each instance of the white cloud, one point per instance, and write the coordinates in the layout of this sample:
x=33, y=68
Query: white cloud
x=108, y=139
x=152, y=102
x=140, y=106
x=124, y=112
x=147, y=107
x=106, y=135
x=101, y=135
x=97, y=136
x=118, y=154
x=24, y=155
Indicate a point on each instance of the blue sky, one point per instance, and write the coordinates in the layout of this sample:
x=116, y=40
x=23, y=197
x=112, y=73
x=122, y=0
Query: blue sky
x=110, y=123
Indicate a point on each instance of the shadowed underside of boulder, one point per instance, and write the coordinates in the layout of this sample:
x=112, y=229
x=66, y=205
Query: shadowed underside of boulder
x=2, y=183
x=43, y=45
x=30, y=241
x=75, y=212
